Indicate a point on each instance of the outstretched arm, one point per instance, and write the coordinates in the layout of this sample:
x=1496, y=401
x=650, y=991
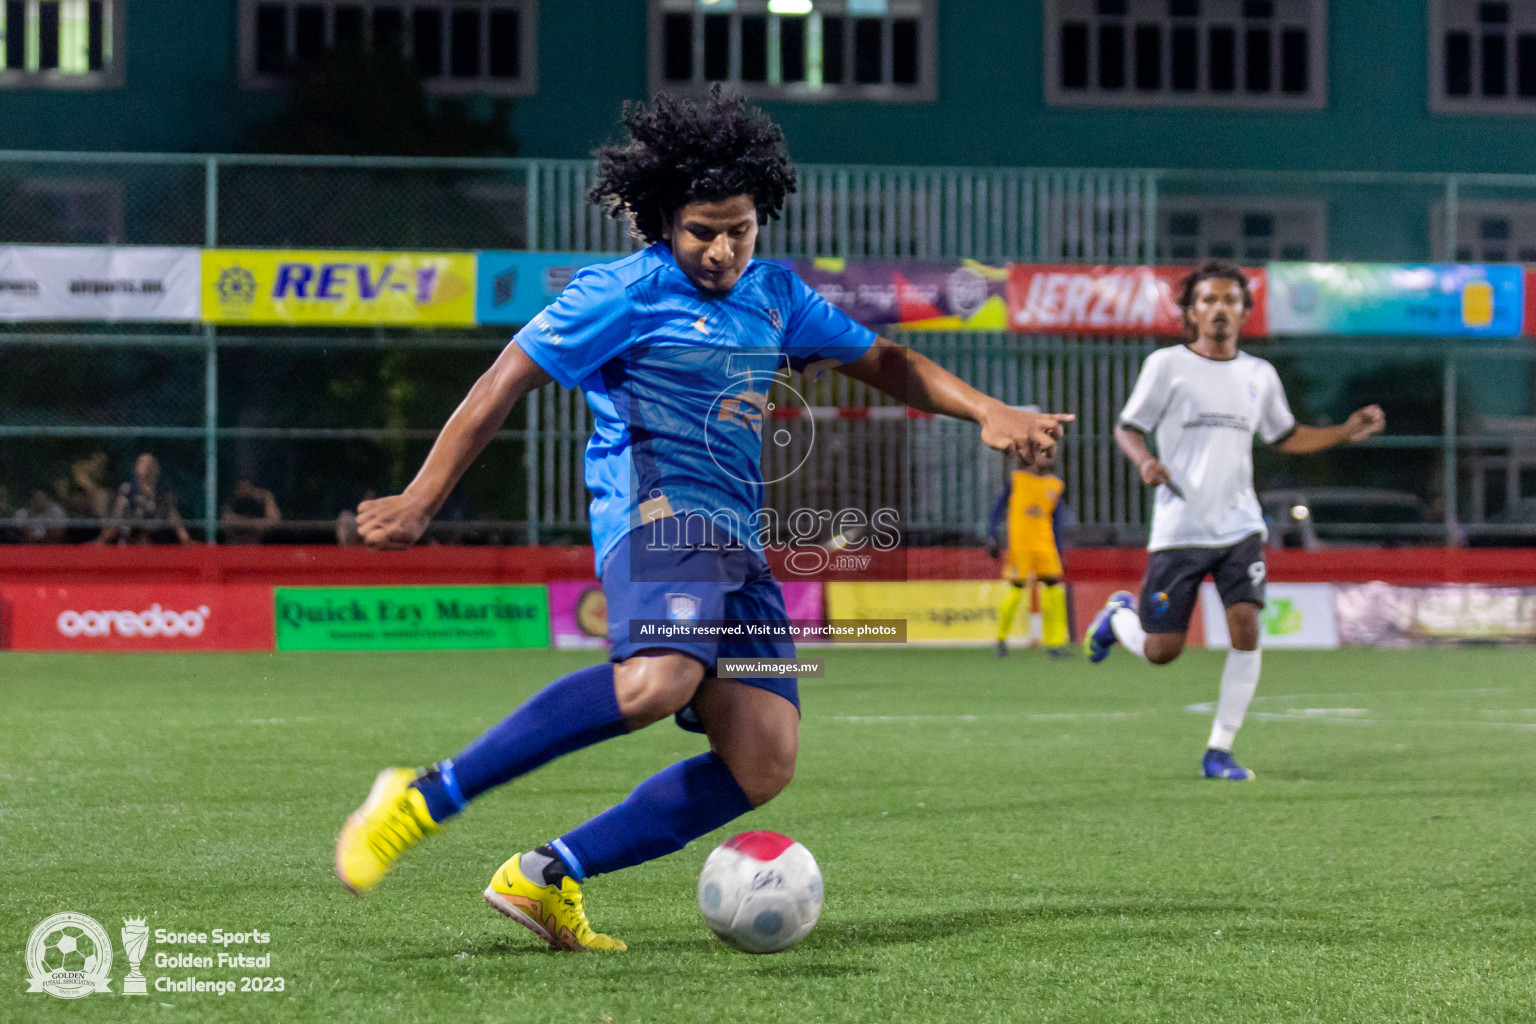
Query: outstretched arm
x=1134, y=445
x=398, y=521
x=1362, y=423
x=919, y=382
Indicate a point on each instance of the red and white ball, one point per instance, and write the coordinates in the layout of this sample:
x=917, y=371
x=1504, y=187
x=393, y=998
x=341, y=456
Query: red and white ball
x=760, y=892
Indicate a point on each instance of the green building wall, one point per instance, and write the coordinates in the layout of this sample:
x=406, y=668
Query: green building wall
x=182, y=93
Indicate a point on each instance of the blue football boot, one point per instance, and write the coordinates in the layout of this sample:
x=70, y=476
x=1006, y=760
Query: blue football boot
x=1101, y=637
x=1218, y=764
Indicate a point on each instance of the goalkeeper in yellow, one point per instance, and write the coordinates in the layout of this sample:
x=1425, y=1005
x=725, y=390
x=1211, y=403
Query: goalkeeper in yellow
x=1026, y=522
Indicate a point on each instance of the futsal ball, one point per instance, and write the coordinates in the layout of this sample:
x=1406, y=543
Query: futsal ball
x=69, y=949
x=760, y=892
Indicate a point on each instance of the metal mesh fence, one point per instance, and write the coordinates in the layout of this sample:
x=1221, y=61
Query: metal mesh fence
x=321, y=417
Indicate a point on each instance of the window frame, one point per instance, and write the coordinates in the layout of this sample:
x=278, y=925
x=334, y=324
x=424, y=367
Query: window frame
x=1315, y=99
x=1170, y=205
x=525, y=84
x=925, y=90
x=1511, y=105
x=1474, y=210
x=110, y=77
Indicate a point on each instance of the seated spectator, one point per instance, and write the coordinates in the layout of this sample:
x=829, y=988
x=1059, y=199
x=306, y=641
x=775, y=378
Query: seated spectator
x=144, y=511
x=41, y=520
x=249, y=514
x=85, y=496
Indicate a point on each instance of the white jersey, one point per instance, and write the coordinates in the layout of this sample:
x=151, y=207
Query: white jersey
x=1204, y=413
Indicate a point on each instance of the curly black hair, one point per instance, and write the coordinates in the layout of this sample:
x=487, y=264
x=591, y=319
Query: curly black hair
x=681, y=152
x=1213, y=270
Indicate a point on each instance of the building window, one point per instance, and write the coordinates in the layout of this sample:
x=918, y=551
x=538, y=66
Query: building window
x=61, y=43
x=1197, y=53
x=478, y=46
x=796, y=49
x=1482, y=56
x=1488, y=232
x=1192, y=229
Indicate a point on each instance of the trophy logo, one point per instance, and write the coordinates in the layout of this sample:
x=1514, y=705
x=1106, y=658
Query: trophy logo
x=70, y=956
x=135, y=940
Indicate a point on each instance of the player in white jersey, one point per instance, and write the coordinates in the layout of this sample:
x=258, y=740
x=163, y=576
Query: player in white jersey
x=1204, y=401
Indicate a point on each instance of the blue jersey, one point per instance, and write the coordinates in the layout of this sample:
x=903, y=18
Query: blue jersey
x=678, y=379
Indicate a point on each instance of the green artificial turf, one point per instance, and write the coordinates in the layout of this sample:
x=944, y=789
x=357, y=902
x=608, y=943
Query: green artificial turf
x=1002, y=840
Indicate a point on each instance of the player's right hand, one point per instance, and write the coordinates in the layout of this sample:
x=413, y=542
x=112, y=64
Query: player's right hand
x=1154, y=473
x=391, y=524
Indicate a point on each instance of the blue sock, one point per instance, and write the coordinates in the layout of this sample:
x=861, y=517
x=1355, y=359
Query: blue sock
x=572, y=712
x=661, y=816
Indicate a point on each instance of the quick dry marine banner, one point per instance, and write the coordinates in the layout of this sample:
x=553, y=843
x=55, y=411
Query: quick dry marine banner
x=1396, y=299
x=333, y=287
x=411, y=618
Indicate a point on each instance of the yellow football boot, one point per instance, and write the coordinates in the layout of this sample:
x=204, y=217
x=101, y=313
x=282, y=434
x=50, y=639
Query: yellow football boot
x=393, y=819
x=552, y=912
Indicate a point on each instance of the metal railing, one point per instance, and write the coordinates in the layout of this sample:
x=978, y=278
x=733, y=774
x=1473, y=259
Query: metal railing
x=201, y=390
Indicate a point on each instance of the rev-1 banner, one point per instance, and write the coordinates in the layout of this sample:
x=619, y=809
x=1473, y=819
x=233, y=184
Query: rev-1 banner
x=1109, y=300
x=99, y=283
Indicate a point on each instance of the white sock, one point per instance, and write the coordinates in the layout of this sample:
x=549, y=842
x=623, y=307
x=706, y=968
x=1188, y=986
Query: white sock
x=1239, y=678
x=1127, y=627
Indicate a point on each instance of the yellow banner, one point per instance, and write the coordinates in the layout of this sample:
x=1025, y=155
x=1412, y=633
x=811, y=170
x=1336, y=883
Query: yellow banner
x=937, y=611
x=337, y=288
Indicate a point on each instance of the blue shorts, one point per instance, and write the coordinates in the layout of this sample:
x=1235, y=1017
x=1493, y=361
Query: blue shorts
x=642, y=580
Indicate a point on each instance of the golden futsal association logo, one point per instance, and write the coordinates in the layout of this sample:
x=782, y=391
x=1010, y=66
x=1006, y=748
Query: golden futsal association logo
x=69, y=956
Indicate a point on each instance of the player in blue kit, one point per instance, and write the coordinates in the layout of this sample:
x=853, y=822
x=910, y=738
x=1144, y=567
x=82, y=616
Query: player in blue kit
x=675, y=348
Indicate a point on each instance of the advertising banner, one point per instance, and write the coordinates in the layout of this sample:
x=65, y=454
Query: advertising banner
x=334, y=287
x=578, y=615
x=913, y=295
x=1439, y=300
x=511, y=287
x=936, y=611
x=1393, y=616
x=1109, y=300
x=99, y=283
x=578, y=612
x=149, y=617
x=1298, y=616
x=411, y=618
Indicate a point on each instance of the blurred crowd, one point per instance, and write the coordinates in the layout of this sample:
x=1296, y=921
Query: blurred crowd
x=83, y=508
x=84, y=505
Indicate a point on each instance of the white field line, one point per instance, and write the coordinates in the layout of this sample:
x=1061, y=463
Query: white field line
x=1354, y=716
x=1067, y=716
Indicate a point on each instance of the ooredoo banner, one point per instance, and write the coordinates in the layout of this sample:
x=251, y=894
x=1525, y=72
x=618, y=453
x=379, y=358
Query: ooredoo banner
x=1109, y=300
x=170, y=617
x=99, y=283
x=1296, y=615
